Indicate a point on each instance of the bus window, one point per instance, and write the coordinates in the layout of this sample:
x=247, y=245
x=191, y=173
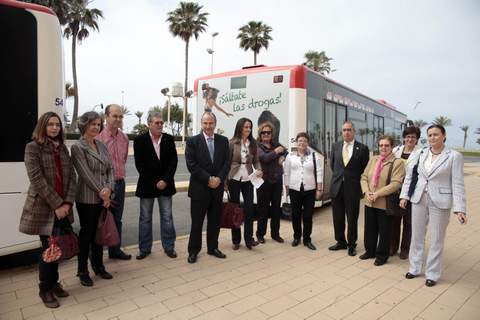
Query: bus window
x=341, y=117
x=238, y=83
x=329, y=126
x=370, y=131
x=315, y=123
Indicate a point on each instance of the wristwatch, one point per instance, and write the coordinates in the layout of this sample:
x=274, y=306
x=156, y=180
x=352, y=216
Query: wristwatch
x=112, y=195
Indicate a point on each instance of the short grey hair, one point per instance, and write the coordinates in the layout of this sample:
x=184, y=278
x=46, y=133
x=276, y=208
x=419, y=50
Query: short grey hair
x=86, y=119
x=154, y=114
x=349, y=122
x=209, y=113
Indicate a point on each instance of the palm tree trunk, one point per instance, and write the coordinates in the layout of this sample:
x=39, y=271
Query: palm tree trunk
x=185, y=99
x=464, y=140
x=254, y=58
x=73, y=125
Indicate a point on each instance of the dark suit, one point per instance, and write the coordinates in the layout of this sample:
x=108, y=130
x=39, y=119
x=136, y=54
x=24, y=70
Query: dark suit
x=345, y=190
x=205, y=200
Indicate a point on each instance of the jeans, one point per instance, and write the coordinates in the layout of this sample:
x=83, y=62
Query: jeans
x=117, y=212
x=167, y=228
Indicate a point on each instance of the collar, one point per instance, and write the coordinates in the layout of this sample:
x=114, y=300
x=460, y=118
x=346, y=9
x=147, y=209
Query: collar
x=152, y=137
x=111, y=133
x=351, y=143
x=207, y=136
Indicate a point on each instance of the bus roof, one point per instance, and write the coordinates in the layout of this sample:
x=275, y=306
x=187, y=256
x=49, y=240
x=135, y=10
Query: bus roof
x=29, y=6
x=297, y=79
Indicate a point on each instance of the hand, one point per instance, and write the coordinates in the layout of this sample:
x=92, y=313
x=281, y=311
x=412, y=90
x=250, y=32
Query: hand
x=374, y=196
x=279, y=149
x=214, y=182
x=462, y=217
x=106, y=203
x=369, y=196
x=105, y=194
x=61, y=212
x=403, y=203
x=281, y=159
x=259, y=173
x=318, y=194
x=161, y=185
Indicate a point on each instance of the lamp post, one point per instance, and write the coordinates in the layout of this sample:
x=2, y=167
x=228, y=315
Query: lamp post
x=169, y=105
x=211, y=51
x=188, y=94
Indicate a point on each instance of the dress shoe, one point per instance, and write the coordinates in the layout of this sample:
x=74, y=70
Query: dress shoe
x=121, y=256
x=295, y=242
x=217, y=253
x=409, y=275
x=403, y=255
x=278, y=239
x=352, y=251
x=430, y=283
x=261, y=239
x=142, y=255
x=337, y=246
x=192, y=258
x=49, y=299
x=251, y=244
x=235, y=246
x=171, y=253
x=102, y=273
x=366, y=256
x=379, y=262
x=310, y=246
x=59, y=292
x=85, y=279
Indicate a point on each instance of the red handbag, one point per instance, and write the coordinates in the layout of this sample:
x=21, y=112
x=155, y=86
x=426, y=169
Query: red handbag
x=62, y=244
x=232, y=215
x=107, y=233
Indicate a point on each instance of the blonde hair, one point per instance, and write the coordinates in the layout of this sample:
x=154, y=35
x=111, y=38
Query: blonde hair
x=261, y=127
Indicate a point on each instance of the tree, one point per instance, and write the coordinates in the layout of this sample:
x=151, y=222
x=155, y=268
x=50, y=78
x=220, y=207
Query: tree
x=419, y=123
x=443, y=121
x=477, y=131
x=176, y=118
x=139, y=115
x=125, y=110
x=465, y=130
x=254, y=36
x=186, y=21
x=140, y=128
x=79, y=19
x=318, y=61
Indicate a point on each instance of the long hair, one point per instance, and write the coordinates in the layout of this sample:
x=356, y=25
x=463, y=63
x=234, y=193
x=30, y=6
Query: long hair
x=39, y=134
x=237, y=136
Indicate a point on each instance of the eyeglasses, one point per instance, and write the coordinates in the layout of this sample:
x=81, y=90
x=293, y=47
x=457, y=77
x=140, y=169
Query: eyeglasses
x=57, y=125
x=266, y=132
x=384, y=145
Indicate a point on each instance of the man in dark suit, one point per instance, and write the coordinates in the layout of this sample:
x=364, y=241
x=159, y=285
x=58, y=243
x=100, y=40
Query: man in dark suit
x=349, y=159
x=206, y=155
x=156, y=162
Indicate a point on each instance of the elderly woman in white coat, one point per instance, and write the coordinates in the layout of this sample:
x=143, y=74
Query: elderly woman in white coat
x=439, y=189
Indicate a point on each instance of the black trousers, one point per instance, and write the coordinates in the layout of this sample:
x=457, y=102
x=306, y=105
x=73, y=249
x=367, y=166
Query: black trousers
x=246, y=188
x=47, y=271
x=378, y=226
x=345, y=205
x=211, y=207
x=117, y=212
x=269, y=196
x=89, y=215
x=406, y=234
x=302, y=209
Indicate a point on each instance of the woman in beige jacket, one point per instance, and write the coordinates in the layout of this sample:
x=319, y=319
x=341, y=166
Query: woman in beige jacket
x=374, y=180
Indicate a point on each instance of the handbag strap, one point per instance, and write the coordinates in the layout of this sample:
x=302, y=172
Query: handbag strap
x=315, y=169
x=389, y=177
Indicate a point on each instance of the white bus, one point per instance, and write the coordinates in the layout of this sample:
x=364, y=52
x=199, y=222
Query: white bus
x=295, y=98
x=31, y=83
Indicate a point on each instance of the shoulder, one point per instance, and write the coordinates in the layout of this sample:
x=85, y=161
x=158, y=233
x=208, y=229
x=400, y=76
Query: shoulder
x=167, y=137
x=33, y=146
x=360, y=145
x=456, y=155
x=141, y=137
x=221, y=138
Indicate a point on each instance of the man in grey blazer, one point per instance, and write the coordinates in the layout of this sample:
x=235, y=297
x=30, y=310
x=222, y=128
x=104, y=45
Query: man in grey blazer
x=439, y=189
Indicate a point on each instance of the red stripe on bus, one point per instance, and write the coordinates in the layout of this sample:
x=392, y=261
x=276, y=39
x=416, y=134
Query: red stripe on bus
x=29, y=6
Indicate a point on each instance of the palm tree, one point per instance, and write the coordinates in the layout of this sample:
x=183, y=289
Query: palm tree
x=79, y=19
x=318, y=61
x=465, y=130
x=419, y=123
x=186, y=21
x=125, y=110
x=443, y=121
x=254, y=36
x=139, y=115
x=60, y=7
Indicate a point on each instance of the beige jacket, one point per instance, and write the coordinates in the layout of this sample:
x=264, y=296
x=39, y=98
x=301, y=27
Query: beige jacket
x=383, y=190
x=236, y=158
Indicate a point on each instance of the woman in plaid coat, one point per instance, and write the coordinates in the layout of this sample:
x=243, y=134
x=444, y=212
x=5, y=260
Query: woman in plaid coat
x=50, y=196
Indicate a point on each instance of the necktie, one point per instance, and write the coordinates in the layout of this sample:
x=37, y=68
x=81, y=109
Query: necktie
x=210, y=147
x=346, y=158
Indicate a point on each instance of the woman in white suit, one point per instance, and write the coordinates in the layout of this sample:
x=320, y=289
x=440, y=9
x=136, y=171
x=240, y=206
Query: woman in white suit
x=439, y=189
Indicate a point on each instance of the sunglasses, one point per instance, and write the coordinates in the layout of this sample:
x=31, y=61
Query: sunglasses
x=266, y=132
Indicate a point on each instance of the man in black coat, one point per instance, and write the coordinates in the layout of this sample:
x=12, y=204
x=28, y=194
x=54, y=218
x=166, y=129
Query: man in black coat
x=156, y=162
x=349, y=159
x=207, y=160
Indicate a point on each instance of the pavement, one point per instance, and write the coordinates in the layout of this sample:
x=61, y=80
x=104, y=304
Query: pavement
x=272, y=281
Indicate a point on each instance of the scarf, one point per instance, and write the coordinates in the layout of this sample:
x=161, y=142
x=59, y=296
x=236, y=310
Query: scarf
x=378, y=169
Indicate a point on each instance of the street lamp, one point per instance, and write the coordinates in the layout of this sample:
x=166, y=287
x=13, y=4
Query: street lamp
x=211, y=51
x=169, y=104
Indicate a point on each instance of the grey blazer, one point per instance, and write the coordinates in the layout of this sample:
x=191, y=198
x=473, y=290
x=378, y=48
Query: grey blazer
x=444, y=182
x=95, y=171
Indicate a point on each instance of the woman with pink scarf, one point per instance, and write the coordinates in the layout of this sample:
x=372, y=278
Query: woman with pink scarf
x=383, y=176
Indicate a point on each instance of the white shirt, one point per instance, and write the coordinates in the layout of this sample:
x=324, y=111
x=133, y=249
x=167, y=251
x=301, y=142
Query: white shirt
x=156, y=145
x=350, y=148
x=298, y=171
x=242, y=173
x=429, y=162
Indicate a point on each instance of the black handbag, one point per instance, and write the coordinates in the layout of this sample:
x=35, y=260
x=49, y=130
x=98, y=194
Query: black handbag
x=414, y=179
x=393, y=200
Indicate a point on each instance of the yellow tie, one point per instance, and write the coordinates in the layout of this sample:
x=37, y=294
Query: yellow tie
x=346, y=158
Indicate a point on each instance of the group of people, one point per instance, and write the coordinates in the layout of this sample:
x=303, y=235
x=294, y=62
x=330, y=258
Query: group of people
x=93, y=177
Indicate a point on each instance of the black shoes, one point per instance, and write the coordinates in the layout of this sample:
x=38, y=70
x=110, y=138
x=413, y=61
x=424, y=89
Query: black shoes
x=403, y=255
x=85, y=279
x=261, y=239
x=192, y=258
x=171, y=253
x=217, y=253
x=48, y=299
x=59, y=292
x=295, y=242
x=102, y=273
x=121, y=256
x=430, y=283
x=352, y=251
x=310, y=246
x=251, y=244
x=235, y=246
x=142, y=255
x=278, y=239
x=337, y=246
x=366, y=256
x=409, y=275
x=379, y=262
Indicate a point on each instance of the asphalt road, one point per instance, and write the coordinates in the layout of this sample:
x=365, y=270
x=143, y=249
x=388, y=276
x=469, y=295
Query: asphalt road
x=182, y=173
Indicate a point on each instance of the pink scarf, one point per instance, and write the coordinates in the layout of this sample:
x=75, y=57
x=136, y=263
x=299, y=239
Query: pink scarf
x=378, y=169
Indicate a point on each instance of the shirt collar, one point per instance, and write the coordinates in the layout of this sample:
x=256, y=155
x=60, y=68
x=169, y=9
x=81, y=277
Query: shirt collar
x=207, y=136
x=152, y=137
x=349, y=143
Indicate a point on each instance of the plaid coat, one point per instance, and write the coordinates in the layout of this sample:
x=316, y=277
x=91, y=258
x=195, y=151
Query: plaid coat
x=39, y=210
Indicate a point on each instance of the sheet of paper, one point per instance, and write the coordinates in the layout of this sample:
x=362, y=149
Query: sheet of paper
x=257, y=182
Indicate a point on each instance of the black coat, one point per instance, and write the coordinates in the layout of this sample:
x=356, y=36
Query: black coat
x=151, y=169
x=201, y=167
x=349, y=175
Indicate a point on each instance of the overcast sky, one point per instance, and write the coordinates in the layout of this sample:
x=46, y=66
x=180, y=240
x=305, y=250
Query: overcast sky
x=400, y=51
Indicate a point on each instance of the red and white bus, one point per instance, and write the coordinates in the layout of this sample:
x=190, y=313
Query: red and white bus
x=295, y=98
x=31, y=83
